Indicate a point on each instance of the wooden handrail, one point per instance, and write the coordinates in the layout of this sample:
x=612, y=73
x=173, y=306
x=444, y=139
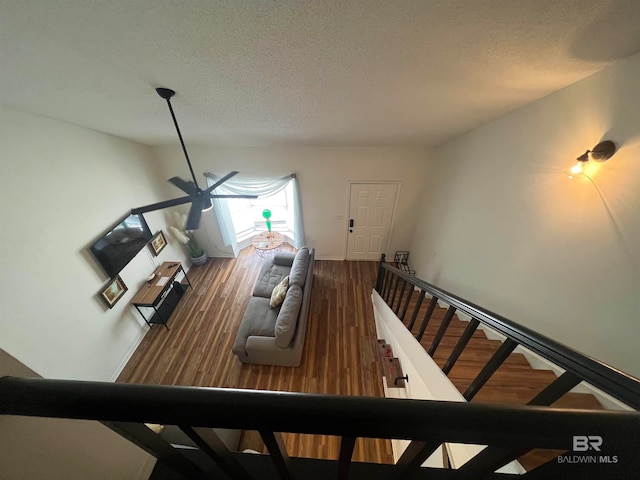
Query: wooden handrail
x=612, y=381
x=347, y=416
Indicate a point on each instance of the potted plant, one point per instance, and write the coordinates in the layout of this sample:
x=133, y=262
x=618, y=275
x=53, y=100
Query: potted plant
x=197, y=254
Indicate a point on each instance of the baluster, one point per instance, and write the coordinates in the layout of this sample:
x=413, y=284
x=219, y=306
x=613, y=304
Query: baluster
x=427, y=317
x=143, y=437
x=441, y=331
x=556, y=389
x=278, y=451
x=347, y=445
x=380, y=276
x=385, y=279
x=489, y=369
x=210, y=443
x=413, y=457
x=395, y=291
x=462, y=342
x=406, y=305
x=492, y=458
x=404, y=287
x=392, y=277
x=446, y=461
x=416, y=310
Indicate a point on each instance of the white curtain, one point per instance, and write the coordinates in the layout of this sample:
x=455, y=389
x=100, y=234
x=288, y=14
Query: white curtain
x=254, y=186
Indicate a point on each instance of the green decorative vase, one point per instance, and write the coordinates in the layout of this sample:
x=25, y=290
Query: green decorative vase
x=266, y=214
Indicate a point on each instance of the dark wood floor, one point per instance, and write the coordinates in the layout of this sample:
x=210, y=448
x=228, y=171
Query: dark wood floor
x=338, y=356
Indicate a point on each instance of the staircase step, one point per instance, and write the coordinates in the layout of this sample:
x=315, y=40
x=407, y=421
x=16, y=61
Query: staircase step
x=579, y=400
x=515, y=382
x=504, y=386
x=537, y=457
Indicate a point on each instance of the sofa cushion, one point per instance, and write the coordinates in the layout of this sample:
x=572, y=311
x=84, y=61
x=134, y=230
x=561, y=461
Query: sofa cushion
x=270, y=275
x=298, y=273
x=279, y=292
x=288, y=316
x=284, y=259
x=259, y=319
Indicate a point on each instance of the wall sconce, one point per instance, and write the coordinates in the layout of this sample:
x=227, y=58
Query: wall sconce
x=600, y=153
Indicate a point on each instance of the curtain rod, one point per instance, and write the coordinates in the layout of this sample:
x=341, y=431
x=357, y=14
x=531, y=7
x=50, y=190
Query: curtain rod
x=209, y=174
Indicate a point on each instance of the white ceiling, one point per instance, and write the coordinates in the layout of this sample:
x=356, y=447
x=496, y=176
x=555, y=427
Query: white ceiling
x=282, y=72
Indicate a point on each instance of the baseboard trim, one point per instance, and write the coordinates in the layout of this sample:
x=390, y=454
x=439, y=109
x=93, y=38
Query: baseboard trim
x=132, y=348
x=329, y=257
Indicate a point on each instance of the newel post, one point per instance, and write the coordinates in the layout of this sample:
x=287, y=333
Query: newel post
x=380, y=274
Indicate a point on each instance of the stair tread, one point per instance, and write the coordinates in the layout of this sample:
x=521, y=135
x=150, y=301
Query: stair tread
x=514, y=382
x=578, y=400
x=537, y=457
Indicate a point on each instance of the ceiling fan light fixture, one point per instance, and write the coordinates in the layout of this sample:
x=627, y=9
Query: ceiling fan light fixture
x=199, y=199
x=208, y=205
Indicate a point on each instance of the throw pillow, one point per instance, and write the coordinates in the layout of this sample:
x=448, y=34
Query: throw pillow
x=279, y=292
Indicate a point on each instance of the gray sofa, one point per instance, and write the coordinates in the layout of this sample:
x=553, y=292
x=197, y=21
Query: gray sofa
x=275, y=336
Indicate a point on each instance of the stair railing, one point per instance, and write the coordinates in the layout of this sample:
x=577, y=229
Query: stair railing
x=397, y=288
x=125, y=408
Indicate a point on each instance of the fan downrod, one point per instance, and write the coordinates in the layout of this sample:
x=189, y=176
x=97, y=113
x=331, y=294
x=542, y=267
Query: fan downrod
x=165, y=93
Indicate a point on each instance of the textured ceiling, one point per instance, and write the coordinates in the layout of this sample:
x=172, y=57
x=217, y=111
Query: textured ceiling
x=323, y=72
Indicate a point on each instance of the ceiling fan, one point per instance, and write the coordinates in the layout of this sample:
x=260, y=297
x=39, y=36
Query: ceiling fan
x=200, y=199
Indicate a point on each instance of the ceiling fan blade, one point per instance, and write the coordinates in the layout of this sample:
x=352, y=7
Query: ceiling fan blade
x=193, y=220
x=233, y=196
x=221, y=181
x=186, y=187
x=160, y=205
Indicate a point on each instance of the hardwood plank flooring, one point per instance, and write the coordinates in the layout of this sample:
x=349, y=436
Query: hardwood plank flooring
x=338, y=357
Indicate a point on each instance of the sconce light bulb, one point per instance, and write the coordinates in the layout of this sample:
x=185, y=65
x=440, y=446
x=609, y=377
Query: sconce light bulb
x=577, y=168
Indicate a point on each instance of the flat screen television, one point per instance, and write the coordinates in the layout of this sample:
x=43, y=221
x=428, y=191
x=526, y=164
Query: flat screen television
x=117, y=247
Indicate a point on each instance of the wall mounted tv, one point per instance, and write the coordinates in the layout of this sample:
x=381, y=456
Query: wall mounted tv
x=116, y=248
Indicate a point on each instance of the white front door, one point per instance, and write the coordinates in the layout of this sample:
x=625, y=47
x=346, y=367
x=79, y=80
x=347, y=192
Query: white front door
x=369, y=224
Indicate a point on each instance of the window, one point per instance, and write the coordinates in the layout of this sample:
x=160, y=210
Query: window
x=240, y=219
x=246, y=214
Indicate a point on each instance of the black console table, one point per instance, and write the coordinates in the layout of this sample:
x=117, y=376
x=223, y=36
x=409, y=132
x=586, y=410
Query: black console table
x=160, y=294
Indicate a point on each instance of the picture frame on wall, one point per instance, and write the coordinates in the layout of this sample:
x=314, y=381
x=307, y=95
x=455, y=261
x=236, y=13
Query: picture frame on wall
x=113, y=292
x=157, y=243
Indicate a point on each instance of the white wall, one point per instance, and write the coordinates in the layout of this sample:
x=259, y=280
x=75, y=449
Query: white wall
x=428, y=382
x=55, y=448
x=62, y=186
x=323, y=174
x=502, y=227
